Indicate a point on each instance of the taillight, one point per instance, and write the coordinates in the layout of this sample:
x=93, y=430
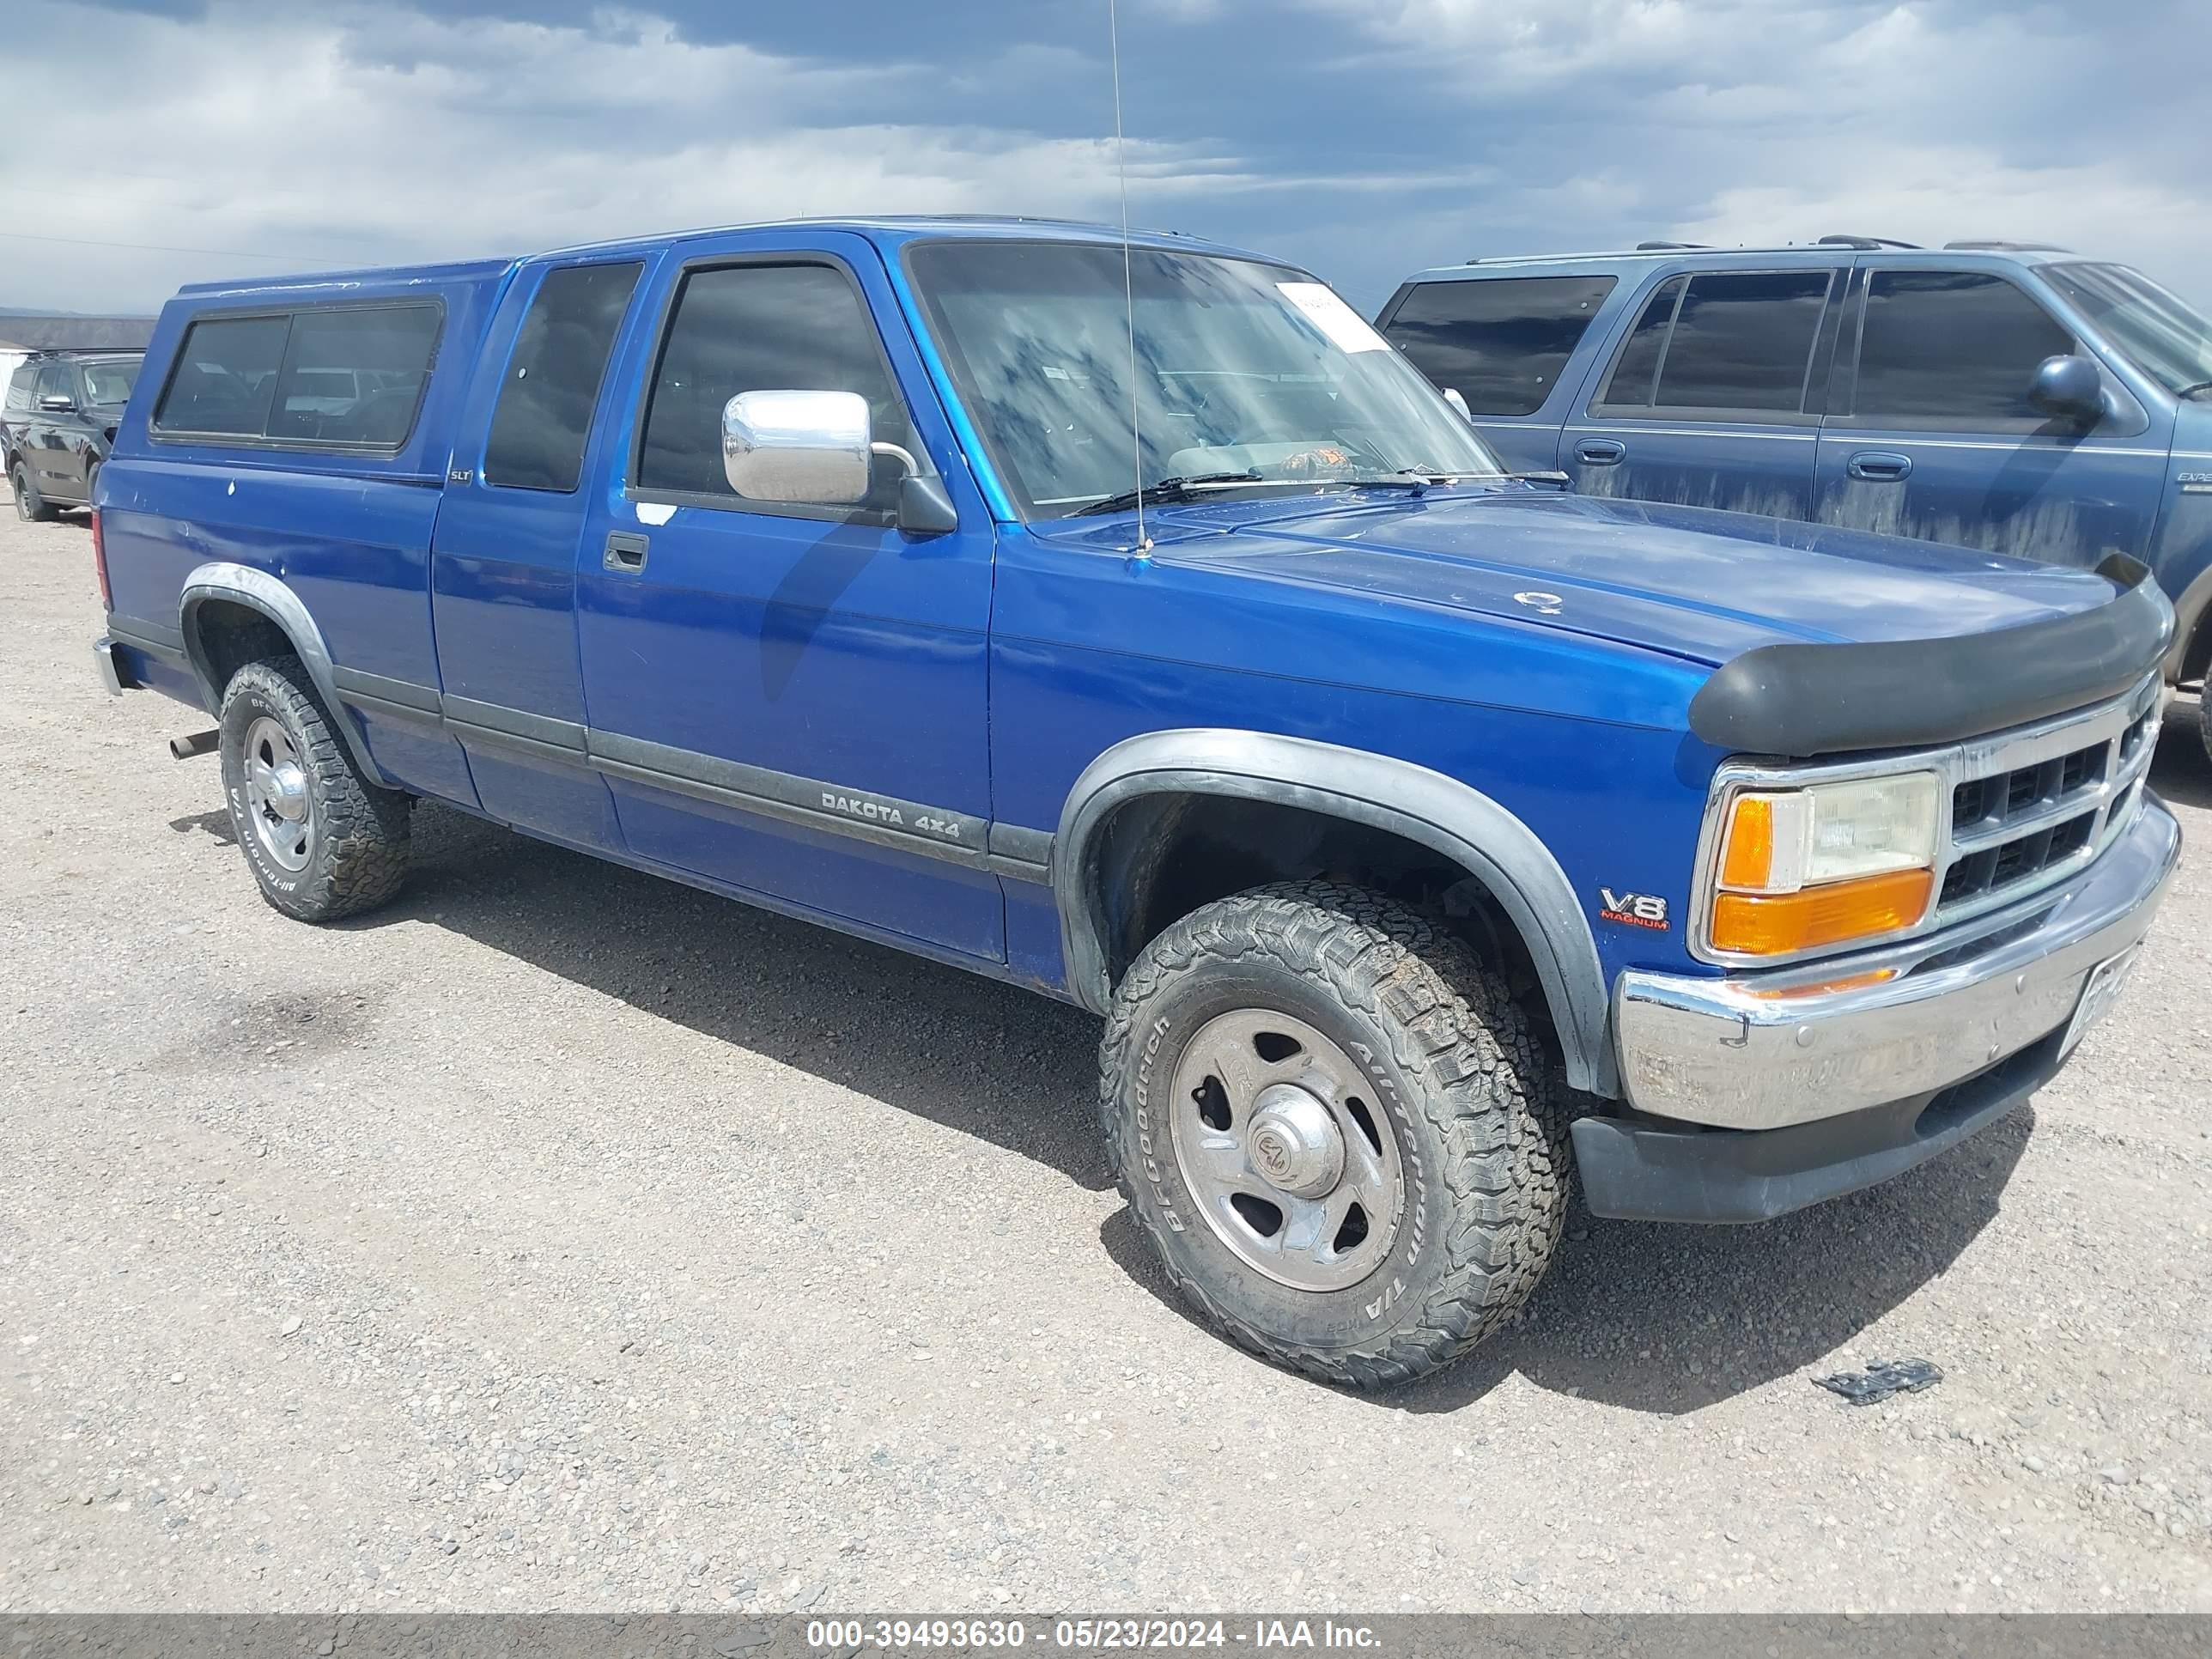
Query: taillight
x=99, y=563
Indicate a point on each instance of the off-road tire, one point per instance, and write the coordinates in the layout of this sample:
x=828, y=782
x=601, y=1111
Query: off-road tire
x=92, y=484
x=1470, y=1096
x=360, y=855
x=31, y=507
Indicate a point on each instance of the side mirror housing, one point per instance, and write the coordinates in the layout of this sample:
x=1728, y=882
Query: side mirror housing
x=57, y=403
x=1458, y=402
x=2070, y=388
x=809, y=447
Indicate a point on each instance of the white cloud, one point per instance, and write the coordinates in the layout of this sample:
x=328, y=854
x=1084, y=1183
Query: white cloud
x=392, y=135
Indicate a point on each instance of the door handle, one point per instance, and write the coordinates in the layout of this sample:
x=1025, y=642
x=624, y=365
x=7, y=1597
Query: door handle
x=1601, y=452
x=625, y=552
x=1880, y=466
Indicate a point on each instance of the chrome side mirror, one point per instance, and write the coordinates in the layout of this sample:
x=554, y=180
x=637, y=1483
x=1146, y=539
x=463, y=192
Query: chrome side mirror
x=797, y=446
x=57, y=403
x=1452, y=397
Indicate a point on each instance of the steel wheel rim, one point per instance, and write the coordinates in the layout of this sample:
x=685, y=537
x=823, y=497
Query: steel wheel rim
x=1266, y=1114
x=276, y=797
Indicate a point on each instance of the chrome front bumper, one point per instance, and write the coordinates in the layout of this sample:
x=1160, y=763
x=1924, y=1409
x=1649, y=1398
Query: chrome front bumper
x=1732, y=1054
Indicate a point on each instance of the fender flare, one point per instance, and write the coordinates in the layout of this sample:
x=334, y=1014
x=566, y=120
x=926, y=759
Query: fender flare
x=1439, y=813
x=256, y=590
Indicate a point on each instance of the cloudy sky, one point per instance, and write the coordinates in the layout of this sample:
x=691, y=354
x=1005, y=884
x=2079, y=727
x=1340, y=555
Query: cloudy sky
x=1364, y=138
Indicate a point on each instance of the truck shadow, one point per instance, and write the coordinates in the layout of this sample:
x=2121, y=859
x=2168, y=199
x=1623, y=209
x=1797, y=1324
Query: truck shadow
x=988, y=1059
x=1658, y=1319
x=1669, y=1319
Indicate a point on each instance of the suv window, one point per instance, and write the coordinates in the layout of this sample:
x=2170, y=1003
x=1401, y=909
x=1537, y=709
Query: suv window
x=545, y=413
x=1499, y=342
x=759, y=328
x=353, y=374
x=1958, y=347
x=1735, y=341
x=55, y=380
x=19, y=387
x=226, y=371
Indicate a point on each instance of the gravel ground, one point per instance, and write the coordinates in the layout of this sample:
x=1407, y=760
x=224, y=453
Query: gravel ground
x=563, y=1239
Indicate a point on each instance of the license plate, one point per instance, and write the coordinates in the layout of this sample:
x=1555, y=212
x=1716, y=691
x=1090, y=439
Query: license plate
x=2097, y=996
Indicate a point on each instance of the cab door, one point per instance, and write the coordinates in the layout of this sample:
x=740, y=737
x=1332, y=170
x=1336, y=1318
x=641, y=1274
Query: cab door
x=504, y=569
x=1930, y=433
x=51, y=428
x=1713, y=396
x=791, y=699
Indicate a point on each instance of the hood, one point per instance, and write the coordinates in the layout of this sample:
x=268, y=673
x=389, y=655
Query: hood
x=1701, y=585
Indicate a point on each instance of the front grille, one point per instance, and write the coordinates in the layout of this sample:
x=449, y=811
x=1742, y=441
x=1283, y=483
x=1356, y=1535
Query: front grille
x=2032, y=805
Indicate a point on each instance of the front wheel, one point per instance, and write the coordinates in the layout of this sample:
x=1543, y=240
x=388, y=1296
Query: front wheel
x=1336, y=1129
x=323, y=842
x=31, y=507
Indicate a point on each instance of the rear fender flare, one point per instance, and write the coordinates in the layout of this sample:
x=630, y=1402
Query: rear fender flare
x=256, y=590
x=1463, y=824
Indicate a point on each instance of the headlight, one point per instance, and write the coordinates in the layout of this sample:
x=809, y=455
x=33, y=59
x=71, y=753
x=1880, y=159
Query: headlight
x=1824, y=865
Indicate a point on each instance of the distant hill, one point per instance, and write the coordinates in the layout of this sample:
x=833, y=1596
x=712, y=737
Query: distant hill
x=64, y=331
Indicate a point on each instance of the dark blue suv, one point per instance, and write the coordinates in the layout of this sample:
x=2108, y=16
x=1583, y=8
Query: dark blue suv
x=2019, y=399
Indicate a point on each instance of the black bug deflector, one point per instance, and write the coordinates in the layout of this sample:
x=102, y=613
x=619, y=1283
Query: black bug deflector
x=1801, y=701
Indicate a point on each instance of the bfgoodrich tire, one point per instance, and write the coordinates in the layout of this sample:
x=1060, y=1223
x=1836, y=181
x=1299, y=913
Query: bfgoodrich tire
x=1336, y=1129
x=323, y=842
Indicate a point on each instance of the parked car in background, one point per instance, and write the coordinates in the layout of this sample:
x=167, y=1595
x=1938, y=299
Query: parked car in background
x=1420, y=831
x=57, y=424
x=2000, y=396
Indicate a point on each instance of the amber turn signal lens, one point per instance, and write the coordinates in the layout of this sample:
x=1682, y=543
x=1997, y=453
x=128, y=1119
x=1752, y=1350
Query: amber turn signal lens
x=1773, y=924
x=1750, y=857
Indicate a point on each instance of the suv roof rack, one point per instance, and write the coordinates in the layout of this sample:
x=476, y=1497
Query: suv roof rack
x=1863, y=242
x=2004, y=247
x=1674, y=247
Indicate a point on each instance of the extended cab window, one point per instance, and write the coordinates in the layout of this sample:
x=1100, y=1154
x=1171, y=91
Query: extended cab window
x=1727, y=342
x=353, y=375
x=544, y=414
x=226, y=371
x=342, y=376
x=1499, y=342
x=1953, y=348
x=762, y=328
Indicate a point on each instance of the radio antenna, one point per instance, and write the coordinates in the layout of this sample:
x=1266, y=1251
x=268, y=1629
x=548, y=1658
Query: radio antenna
x=1129, y=283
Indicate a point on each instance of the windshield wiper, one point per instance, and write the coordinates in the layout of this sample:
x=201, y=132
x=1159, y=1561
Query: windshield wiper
x=1165, y=489
x=2191, y=391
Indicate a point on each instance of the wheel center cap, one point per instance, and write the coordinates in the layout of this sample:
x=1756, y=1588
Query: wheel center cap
x=288, y=792
x=1294, y=1141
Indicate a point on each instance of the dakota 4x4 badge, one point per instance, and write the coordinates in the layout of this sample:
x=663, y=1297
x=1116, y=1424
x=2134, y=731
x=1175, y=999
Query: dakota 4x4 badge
x=1633, y=909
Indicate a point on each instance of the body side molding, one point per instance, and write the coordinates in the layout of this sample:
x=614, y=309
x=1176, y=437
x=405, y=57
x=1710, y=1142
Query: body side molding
x=1441, y=813
x=256, y=590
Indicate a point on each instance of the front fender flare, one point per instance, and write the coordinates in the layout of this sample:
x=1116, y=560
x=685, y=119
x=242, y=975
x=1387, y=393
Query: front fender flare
x=1463, y=824
x=256, y=590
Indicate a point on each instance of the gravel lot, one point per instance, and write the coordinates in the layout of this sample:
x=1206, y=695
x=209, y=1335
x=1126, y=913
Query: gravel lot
x=562, y=1238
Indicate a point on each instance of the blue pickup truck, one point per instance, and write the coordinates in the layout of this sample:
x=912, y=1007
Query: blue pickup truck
x=1130, y=621
x=1999, y=395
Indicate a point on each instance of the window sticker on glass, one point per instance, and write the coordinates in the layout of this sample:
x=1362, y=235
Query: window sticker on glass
x=1347, y=329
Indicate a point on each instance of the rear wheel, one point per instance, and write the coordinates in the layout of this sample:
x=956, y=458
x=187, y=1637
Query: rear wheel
x=1336, y=1129
x=30, y=505
x=323, y=842
x=91, y=485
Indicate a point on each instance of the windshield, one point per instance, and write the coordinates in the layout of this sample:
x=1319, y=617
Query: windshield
x=2156, y=332
x=1241, y=368
x=110, y=383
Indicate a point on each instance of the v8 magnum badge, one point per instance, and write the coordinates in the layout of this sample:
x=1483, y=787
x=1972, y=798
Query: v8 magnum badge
x=1633, y=909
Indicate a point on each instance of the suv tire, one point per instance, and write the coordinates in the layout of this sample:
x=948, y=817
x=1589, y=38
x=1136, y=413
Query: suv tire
x=30, y=506
x=322, y=840
x=1308, y=1028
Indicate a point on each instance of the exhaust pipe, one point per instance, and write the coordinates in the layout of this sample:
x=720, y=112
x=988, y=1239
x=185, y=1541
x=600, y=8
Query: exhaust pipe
x=199, y=742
